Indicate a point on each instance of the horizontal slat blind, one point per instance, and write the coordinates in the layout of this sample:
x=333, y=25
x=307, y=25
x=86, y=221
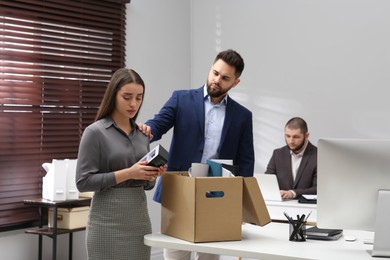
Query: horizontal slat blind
x=56, y=59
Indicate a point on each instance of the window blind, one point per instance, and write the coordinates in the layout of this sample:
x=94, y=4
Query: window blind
x=56, y=59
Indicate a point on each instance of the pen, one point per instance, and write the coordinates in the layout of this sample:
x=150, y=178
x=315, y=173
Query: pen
x=290, y=220
x=307, y=217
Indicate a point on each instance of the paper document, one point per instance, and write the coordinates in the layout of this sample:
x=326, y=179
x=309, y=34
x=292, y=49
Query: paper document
x=309, y=196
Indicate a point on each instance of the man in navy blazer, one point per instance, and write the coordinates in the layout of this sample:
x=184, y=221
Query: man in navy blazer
x=207, y=123
x=295, y=164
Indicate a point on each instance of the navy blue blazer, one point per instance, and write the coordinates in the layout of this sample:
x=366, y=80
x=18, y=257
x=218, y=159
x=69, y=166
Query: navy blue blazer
x=185, y=112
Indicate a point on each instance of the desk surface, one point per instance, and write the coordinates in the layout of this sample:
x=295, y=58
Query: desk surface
x=291, y=207
x=291, y=203
x=271, y=242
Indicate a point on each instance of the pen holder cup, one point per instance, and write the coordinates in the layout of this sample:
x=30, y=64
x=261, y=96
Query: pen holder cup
x=297, y=231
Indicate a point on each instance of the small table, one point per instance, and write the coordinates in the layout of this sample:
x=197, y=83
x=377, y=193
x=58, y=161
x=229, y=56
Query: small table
x=54, y=231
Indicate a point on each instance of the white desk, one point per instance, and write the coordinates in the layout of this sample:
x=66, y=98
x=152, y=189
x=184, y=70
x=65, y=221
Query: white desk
x=271, y=243
x=291, y=207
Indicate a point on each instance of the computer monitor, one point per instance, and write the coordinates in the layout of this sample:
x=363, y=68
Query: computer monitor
x=350, y=174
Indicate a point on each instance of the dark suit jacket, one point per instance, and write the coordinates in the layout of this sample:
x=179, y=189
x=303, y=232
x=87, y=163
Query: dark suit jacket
x=306, y=179
x=185, y=112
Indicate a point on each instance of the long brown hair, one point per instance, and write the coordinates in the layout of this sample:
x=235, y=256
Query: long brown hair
x=121, y=77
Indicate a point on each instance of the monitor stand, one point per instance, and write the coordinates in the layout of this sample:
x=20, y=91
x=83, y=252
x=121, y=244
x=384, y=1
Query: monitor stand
x=382, y=226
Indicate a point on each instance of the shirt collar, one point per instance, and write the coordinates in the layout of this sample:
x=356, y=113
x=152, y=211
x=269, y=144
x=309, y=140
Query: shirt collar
x=108, y=122
x=206, y=96
x=301, y=153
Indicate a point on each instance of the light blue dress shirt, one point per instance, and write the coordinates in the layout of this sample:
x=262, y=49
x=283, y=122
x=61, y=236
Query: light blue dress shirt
x=214, y=119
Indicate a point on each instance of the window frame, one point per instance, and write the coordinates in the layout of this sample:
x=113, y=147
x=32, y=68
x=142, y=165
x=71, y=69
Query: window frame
x=56, y=59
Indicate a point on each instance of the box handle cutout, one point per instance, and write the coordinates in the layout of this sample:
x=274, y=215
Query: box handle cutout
x=215, y=194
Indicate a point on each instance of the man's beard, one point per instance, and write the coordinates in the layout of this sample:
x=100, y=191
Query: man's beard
x=299, y=147
x=217, y=93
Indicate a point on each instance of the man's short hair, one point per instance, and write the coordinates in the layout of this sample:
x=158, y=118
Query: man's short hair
x=232, y=58
x=297, y=123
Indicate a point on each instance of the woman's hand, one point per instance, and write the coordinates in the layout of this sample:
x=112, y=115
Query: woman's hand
x=140, y=171
x=162, y=169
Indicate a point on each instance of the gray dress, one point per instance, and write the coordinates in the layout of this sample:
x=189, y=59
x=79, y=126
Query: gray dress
x=118, y=218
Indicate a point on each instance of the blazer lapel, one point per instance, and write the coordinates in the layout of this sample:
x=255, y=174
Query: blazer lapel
x=289, y=166
x=305, y=160
x=199, y=107
x=228, y=119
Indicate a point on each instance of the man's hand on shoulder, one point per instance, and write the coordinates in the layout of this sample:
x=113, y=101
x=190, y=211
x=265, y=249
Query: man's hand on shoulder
x=146, y=130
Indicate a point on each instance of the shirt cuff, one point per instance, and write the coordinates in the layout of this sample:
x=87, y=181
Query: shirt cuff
x=294, y=194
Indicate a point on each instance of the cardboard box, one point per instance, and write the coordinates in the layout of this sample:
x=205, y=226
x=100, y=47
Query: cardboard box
x=254, y=209
x=87, y=194
x=70, y=218
x=189, y=212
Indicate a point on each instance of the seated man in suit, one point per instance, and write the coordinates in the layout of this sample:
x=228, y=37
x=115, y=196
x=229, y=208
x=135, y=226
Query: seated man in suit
x=295, y=164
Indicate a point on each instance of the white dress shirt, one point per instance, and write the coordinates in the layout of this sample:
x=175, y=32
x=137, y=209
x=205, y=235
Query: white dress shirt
x=296, y=159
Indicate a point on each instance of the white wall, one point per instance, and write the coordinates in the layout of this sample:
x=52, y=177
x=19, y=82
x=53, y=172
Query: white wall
x=325, y=60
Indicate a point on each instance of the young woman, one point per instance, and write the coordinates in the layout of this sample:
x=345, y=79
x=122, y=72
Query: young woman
x=108, y=164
